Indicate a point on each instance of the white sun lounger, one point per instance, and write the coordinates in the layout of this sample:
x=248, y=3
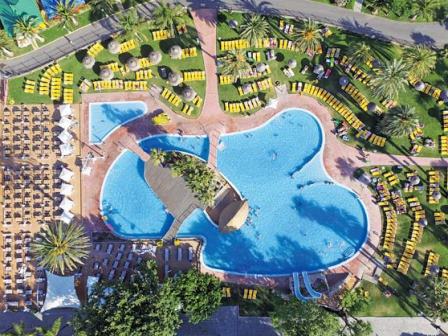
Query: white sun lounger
x=179, y=253
x=190, y=254
x=167, y=254
x=110, y=247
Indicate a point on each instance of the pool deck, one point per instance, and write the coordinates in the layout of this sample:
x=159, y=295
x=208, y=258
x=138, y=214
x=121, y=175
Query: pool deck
x=340, y=160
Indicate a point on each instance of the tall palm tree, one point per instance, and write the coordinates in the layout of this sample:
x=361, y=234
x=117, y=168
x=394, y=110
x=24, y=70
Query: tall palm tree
x=235, y=62
x=425, y=9
x=309, y=36
x=167, y=16
x=6, y=45
x=102, y=8
x=61, y=247
x=18, y=329
x=420, y=60
x=377, y=5
x=130, y=22
x=399, y=122
x=53, y=331
x=66, y=12
x=255, y=27
x=361, y=52
x=158, y=156
x=27, y=27
x=390, y=80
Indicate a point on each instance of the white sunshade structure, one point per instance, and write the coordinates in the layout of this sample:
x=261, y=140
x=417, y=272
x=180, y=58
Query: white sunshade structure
x=65, y=111
x=66, y=204
x=65, y=137
x=61, y=292
x=66, y=175
x=66, y=149
x=66, y=189
x=65, y=123
x=67, y=217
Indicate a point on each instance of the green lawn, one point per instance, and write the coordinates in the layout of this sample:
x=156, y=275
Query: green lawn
x=407, y=15
x=73, y=64
x=435, y=238
x=349, y=5
x=427, y=108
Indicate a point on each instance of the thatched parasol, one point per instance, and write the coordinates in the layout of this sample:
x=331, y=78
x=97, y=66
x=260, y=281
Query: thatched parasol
x=444, y=95
x=415, y=180
x=436, y=195
x=113, y=47
x=292, y=63
x=376, y=63
x=318, y=69
x=174, y=78
x=419, y=86
x=188, y=93
x=423, y=221
x=88, y=62
x=155, y=57
x=343, y=81
x=175, y=52
x=372, y=107
x=233, y=24
x=133, y=64
x=247, y=88
x=106, y=74
x=261, y=67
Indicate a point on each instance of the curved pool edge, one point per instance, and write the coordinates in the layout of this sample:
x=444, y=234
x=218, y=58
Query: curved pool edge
x=319, y=152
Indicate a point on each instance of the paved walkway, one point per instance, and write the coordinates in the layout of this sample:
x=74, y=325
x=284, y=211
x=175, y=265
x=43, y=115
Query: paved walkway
x=372, y=26
x=405, y=326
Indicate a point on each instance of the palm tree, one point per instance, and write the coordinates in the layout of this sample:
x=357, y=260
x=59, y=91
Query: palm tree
x=255, y=27
x=130, y=22
x=420, y=60
x=158, y=156
x=61, y=247
x=235, y=62
x=167, y=16
x=390, y=80
x=361, y=52
x=5, y=45
x=399, y=122
x=425, y=8
x=18, y=329
x=376, y=5
x=27, y=28
x=53, y=331
x=309, y=36
x=66, y=12
x=102, y=8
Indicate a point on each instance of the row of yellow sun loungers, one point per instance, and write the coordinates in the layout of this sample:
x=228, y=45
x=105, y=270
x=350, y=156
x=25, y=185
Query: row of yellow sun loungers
x=187, y=109
x=391, y=178
x=416, y=134
x=189, y=52
x=390, y=229
x=137, y=85
x=429, y=89
x=416, y=208
x=30, y=86
x=143, y=74
x=234, y=44
x=377, y=140
x=68, y=96
x=171, y=97
x=445, y=120
x=262, y=85
x=114, y=67
x=191, y=76
x=144, y=63
x=406, y=257
x=226, y=79
x=253, y=73
x=160, y=35
x=243, y=106
x=128, y=46
x=433, y=186
x=197, y=101
x=439, y=218
x=56, y=88
x=114, y=84
x=444, y=273
x=52, y=71
x=254, y=55
x=443, y=145
x=68, y=78
x=357, y=73
x=95, y=49
x=431, y=260
x=416, y=232
x=357, y=96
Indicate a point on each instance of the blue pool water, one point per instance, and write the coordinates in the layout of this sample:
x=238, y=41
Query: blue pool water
x=106, y=117
x=300, y=223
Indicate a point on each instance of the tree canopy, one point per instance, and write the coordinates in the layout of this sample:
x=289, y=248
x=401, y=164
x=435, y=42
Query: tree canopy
x=432, y=293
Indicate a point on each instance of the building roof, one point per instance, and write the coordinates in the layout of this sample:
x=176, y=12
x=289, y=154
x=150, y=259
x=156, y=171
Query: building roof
x=11, y=10
x=61, y=292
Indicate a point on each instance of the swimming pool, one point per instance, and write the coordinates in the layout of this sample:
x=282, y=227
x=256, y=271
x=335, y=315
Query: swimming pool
x=106, y=117
x=299, y=220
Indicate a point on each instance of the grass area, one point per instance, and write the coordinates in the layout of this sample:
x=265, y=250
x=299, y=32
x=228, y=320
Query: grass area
x=54, y=31
x=349, y=5
x=73, y=64
x=406, y=12
x=429, y=111
x=435, y=238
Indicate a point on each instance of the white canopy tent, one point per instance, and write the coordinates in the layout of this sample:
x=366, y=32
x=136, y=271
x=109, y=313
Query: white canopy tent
x=61, y=292
x=66, y=204
x=66, y=175
x=65, y=111
x=65, y=136
x=66, y=149
x=66, y=189
x=65, y=123
x=67, y=217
